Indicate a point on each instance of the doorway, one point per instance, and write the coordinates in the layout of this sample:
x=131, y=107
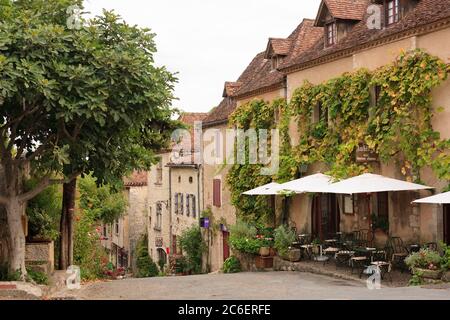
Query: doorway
x=447, y=224
x=226, y=247
x=325, y=217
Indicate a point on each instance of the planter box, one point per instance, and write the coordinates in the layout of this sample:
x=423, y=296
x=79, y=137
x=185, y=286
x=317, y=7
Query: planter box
x=264, y=262
x=429, y=274
x=294, y=255
x=40, y=256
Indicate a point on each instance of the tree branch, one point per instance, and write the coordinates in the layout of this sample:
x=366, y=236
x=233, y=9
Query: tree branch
x=45, y=183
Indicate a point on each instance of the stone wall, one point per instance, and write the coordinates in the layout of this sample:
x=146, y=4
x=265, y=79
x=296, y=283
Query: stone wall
x=40, y=256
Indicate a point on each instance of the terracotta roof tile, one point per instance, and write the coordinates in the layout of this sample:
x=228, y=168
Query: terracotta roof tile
x=426, y=12
x=345, y=9
x=278, y=46
x=136, y=179
x=231, y=88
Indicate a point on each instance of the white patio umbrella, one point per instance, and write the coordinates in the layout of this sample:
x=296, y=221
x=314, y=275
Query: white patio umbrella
x=310, y=184
x=370, y=183
x=268, y=189
x=443, y=198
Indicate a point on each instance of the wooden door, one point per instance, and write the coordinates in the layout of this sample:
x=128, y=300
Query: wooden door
x=226, y=247
x=325, y=216
x=447, y=224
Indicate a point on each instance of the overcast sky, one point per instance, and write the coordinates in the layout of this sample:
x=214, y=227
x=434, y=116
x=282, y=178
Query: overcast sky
x=209, y=42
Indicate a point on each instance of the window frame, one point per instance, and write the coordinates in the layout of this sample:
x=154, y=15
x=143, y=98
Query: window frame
x=158, y=212
x=331, y=33
x=396, y=9
x=217, y=193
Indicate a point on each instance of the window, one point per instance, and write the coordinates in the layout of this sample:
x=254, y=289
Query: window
x=331, y=30
x=188, y=209
x=193, y=207
x=179, y=203
x=158, y=224
x=105, y=230
x=274, y=61
x=392, y=11
x=217, y=201
x=159, y=173
x=191, y=180
x=116, y=227
x=320, y=113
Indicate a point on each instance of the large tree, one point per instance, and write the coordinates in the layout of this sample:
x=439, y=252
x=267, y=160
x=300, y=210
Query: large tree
x=73, y=101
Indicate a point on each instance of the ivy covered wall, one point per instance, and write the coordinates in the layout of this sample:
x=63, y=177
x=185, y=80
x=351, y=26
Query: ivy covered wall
x=389, y=110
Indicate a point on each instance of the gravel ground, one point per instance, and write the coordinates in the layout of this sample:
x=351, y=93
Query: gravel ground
x=251, y=286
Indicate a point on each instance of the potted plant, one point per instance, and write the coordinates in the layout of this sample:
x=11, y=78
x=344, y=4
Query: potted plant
x=426, y=262
x=284, y=237
x=445, y=263
x=316, y=246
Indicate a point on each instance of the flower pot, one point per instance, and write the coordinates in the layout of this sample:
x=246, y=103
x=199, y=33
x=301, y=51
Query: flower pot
x=264, y=251
x=429, y=274
x=294, y=255
x=446, y=276
x=263, y=262
x=273, y=252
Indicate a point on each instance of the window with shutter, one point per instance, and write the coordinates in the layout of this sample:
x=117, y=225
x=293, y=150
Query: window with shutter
x=194, y=208
x=188, y=209
x=176, y=203
x=216, y=193
x=181, y=204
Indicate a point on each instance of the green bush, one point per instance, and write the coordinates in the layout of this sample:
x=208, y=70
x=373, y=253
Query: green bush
x=424, y=259
x=38, y=277
x=5, y=275
x=284, y=237
x=243, y=238
x=232, y=265
x=191, y=242
x=445, y=263
x=44, y=212
x=146, y=267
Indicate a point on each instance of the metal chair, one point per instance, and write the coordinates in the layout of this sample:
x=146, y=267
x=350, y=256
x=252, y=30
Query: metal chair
x=397, y=253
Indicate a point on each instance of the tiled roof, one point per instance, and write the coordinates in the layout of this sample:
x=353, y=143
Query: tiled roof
x=228, y=104
x=137, y=179
x=343, y=9
x=278, y=46
x=303, y=38
x=189, y=119
x=231, y=88
x=426, y=12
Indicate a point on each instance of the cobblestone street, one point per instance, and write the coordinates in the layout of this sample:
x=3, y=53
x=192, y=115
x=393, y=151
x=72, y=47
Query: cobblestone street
x=251, y=286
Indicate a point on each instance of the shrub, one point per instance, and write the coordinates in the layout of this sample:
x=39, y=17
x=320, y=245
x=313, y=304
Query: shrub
x=232, y=265
x=145, y=266
x=243, y=238
x=424, y=259
x=191, y=242
x=284, y=237
x=445, y=263
x=38, y=277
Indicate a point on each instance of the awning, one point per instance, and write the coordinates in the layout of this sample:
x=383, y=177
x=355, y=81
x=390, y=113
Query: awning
x=443, y=198
x=268, y=189
x=309, y=184
x=371, y=183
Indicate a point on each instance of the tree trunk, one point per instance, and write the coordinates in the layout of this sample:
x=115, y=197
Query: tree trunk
x=15, y=210
x=66, y=225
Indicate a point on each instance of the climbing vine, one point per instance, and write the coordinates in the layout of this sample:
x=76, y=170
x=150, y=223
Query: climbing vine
x=389, y=110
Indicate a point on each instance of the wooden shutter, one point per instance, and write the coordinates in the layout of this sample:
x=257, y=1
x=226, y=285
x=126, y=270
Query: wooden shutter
x=216, y=193
x=194, y=208
x=188, y=209
x=176, y=203
x=181, y=203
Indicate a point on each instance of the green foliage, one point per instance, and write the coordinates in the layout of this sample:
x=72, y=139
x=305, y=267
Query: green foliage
x=424, y=259
x=243, y=238
x=102, y=201
x=232, y=265
x=145, y=266
x=417, y=278
x=445, y=263
x=6, y=275
x=191, y=242
x=284, y=237
x=256, y=114
x=181, y=265
x=44, y=212
x=396, y=125
x=98, y=204
x=38, y=277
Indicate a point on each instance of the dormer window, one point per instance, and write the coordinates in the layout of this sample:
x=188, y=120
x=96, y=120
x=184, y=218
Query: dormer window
x=392, y=11
x=274, y=63
x=331, y=33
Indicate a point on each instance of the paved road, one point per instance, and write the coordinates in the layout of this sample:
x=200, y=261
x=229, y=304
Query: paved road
x=250, y=286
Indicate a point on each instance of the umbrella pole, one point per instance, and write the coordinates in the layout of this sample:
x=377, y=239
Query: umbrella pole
x=369, y=196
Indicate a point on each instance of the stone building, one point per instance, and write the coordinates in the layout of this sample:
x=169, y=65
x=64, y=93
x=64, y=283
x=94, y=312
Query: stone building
x=341, y=40
x=175, y=194
x=121, y=238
